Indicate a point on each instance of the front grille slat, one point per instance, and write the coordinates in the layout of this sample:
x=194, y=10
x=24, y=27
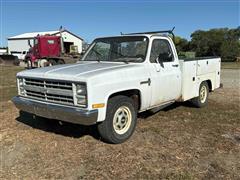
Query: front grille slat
x=59, y=85
x=49, y=91
x=35, y=94
x=34, y=83
x=58, y=97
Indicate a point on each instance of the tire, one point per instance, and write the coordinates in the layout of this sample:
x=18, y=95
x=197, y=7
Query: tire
x=113, y=130
x=16, y=62
x=202, y=99
x=52, y=62
x=29, y=64
x=60, y=61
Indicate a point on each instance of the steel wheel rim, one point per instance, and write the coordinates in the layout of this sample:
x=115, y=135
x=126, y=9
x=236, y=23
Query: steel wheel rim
x=122, y=120
x=203, y=94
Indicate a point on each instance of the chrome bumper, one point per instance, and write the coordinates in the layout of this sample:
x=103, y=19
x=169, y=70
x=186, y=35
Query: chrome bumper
x=54, y=111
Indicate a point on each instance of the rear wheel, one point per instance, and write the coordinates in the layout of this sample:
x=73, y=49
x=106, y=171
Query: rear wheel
x=202, y=99
x=120, y=122
x=52, y=62
x=60, y=61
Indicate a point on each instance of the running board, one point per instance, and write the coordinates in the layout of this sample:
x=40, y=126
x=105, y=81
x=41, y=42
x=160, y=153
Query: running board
x=159, y=107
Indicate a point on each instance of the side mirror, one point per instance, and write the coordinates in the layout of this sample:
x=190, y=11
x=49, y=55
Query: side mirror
x=160, y=60
x=165, y=57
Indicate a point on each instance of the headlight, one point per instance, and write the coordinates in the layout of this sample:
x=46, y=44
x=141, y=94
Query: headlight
x=82, y=100
x=21, y=86
x=20, y=82
x=81, y=94
x=81, y=89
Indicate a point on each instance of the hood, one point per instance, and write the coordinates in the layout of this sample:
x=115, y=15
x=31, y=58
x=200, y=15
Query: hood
x=78, y=71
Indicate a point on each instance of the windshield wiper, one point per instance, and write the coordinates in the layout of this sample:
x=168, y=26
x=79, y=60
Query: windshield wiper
x=127, y=61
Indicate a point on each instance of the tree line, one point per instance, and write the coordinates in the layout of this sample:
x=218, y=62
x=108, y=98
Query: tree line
x=223, y=42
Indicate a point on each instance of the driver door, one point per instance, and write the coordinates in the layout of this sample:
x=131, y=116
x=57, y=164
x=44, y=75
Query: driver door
x=165, y=72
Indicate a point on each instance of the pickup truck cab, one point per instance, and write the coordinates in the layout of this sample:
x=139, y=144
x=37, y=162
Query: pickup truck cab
x=117, y=78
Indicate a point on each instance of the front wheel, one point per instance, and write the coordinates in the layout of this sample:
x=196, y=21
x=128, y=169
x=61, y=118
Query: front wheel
x=29, y=64
x=202, y=99
x=120, y=120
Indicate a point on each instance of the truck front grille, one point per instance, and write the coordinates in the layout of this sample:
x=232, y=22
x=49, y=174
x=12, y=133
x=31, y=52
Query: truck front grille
x=49, y=90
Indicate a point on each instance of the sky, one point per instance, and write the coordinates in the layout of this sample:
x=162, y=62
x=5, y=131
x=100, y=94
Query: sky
x=91, y=19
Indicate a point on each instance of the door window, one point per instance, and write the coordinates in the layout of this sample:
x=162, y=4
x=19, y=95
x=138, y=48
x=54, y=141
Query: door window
x=50, y=41
x=161, y=50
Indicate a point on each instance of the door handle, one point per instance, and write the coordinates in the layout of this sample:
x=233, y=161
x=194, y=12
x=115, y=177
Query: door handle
x=175, y=65
x=146, y=82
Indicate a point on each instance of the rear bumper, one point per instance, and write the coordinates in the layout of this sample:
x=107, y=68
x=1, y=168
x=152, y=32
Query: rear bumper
x=54, y=111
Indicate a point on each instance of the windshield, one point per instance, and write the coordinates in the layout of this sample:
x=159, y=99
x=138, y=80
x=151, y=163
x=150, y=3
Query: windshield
x=35, y=41
x=118, y=49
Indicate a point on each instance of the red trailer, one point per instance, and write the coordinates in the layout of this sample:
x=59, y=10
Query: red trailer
x=46, y=51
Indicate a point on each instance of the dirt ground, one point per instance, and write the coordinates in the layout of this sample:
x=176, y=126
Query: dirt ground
x=179, y=142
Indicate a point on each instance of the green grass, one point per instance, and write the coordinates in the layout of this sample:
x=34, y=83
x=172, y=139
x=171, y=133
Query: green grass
x=230, y=65
x=8, y=87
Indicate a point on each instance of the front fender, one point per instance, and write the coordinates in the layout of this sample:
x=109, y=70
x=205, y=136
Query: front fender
x=103, y=111
x=103, y=85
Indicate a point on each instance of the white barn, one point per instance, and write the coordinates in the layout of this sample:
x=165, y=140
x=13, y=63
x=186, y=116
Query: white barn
x=20, y=43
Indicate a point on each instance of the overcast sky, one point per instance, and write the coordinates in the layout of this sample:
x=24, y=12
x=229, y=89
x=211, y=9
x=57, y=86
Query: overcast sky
x=90, y=19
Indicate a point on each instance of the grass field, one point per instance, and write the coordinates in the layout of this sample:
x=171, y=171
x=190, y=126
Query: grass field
x=8, y=81
x=230, y=65
x=179, y=142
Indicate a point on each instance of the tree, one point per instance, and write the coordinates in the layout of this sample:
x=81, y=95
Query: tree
x=230, y=48
x=222, y=42
x=181, y=44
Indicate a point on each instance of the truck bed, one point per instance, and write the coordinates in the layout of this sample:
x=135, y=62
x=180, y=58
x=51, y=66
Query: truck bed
x=196, y=70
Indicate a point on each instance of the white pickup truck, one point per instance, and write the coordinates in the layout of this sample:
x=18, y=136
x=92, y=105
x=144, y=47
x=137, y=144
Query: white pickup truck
x=117, y=78
x=20, y=55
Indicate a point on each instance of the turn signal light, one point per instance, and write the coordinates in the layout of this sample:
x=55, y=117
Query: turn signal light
x=101, y=105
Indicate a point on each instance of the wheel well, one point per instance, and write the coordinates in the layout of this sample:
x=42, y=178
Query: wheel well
x=209, y=85
x=133, y=93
